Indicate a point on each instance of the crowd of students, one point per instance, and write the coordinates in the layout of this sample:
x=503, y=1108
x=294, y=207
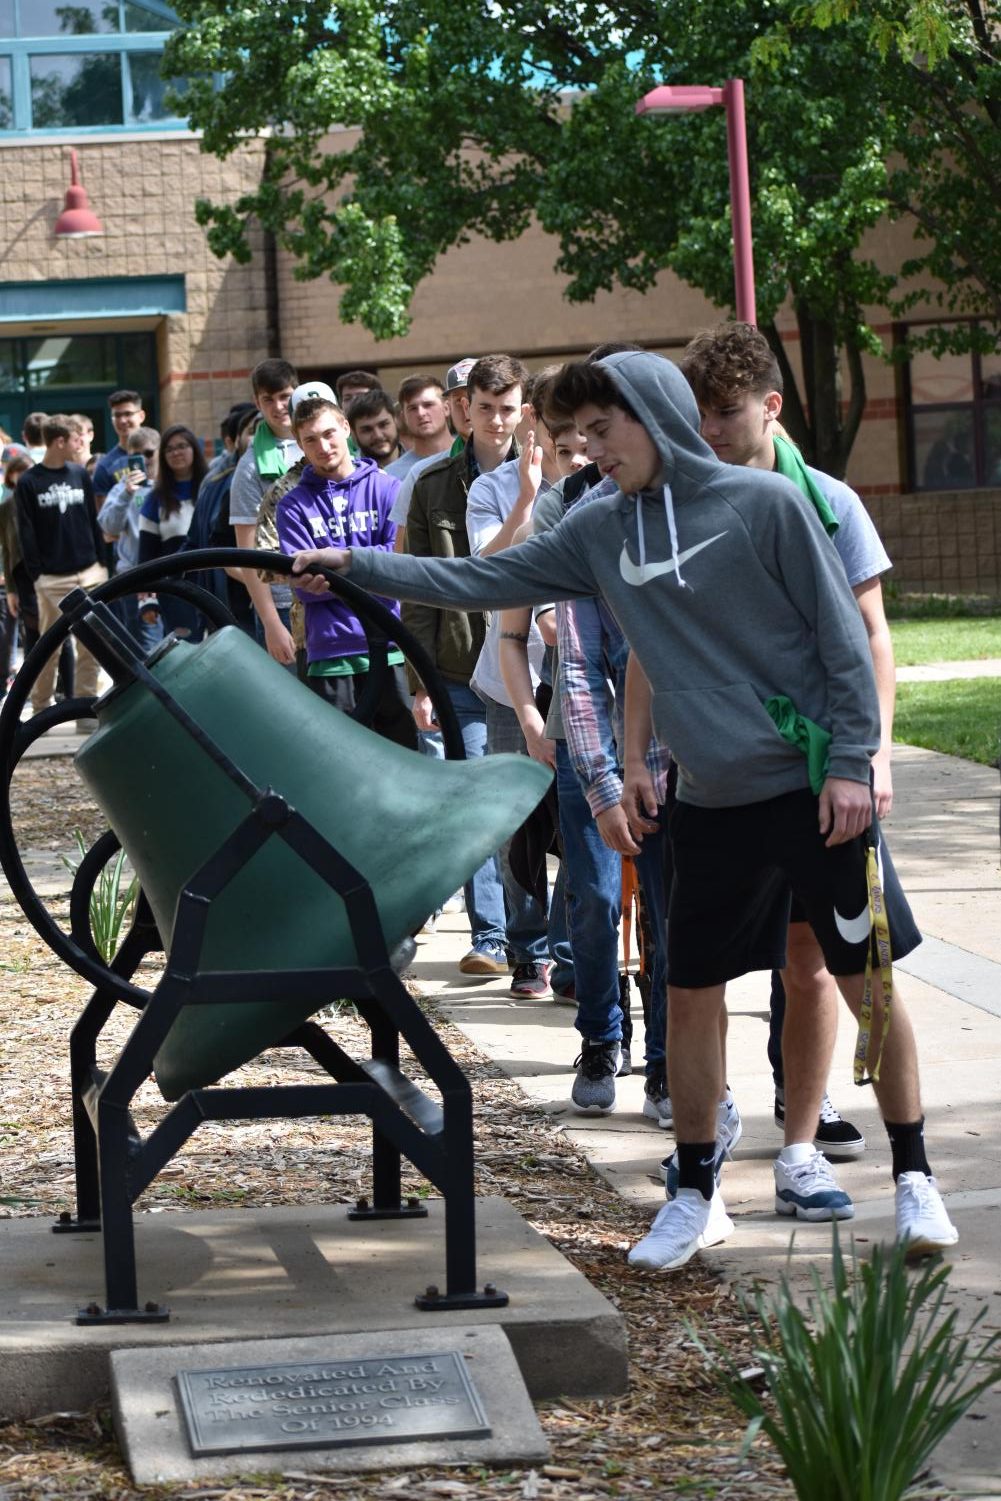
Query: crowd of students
x=625, y=570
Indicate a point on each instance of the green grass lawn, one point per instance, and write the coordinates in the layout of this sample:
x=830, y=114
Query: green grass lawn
x=918, y=641
x=959, y=718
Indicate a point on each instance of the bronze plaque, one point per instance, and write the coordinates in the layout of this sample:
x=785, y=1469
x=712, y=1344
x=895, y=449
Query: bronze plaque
x=320, y=1405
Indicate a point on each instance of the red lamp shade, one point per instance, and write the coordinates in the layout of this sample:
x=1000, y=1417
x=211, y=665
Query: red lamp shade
x=77, y=220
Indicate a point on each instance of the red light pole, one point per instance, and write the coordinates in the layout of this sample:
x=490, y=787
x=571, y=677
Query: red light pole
x=673, y=98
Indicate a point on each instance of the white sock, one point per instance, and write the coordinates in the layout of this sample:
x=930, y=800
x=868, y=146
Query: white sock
x=796, y=1152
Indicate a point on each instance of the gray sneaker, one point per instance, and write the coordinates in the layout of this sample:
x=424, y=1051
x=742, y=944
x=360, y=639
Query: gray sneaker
x=657, y=1101
x=593, y=1090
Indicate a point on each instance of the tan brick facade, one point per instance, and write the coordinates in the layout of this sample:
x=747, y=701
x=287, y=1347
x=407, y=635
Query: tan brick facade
x=144, y=192
x=942, y=543
x=482, y=297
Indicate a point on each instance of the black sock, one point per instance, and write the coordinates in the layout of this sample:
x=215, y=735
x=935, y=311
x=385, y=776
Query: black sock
x=907, y=1144
x=697, y=1166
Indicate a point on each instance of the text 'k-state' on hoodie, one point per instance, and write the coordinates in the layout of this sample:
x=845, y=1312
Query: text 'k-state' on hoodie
x=726, y=586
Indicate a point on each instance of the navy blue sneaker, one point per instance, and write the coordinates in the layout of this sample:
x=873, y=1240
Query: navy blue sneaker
x=484, y=959
x=808, y=1190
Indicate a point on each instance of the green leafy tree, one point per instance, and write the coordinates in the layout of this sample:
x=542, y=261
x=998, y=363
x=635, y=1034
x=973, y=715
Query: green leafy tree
x=474, y=118
x=940, y=76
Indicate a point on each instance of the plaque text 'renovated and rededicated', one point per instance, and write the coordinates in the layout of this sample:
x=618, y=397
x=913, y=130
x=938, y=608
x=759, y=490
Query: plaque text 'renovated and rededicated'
x=311, y=1405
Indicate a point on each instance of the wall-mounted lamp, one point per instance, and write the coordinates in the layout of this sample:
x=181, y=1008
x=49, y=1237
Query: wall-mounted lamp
x=77, y=220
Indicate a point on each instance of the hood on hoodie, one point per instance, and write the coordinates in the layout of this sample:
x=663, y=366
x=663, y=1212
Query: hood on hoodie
x=660, y=398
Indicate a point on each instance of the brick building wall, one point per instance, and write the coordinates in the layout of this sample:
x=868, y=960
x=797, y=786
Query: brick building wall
x=942, y=543
x=144, y=191
x=481, y=297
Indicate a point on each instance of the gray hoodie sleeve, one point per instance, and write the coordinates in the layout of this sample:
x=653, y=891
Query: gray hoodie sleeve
x=537, y=571
x=814, y=577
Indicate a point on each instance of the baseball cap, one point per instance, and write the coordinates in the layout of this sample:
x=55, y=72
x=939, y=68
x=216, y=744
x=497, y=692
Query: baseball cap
x=458, y=377
x=311, y=388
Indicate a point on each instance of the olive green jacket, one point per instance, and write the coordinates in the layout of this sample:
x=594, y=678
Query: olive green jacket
x=436, y=528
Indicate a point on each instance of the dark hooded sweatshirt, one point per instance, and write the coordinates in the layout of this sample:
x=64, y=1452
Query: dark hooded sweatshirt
x=724, y=583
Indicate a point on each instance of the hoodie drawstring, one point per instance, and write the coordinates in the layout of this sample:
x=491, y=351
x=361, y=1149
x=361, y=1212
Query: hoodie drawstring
x=673, y=529
x=640, y=539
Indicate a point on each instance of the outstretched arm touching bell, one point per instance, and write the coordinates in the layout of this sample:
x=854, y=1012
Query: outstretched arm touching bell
x=552, y=566
x=337, y=559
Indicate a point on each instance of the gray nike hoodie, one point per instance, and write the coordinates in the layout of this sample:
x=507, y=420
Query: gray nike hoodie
x=724, y=583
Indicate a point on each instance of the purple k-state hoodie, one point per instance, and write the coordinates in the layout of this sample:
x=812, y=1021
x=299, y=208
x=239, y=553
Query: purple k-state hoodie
x=352, y=512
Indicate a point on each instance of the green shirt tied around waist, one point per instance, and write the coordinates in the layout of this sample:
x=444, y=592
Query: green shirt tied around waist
x=804, y=733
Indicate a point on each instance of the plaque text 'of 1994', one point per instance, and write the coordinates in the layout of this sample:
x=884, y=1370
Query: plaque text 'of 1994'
x=316, y=1405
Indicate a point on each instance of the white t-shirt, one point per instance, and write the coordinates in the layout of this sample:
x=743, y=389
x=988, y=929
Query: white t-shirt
x=490, y=502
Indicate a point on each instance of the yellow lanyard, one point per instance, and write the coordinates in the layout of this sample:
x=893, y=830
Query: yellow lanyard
x=880, y=942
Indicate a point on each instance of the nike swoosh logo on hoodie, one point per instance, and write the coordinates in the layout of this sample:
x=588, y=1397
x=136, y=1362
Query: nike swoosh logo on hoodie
x=634, y=574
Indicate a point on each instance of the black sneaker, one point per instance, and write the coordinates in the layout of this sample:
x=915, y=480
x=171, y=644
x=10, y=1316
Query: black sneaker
x=530, y=981
x=593, y=1090
x=836, y=1137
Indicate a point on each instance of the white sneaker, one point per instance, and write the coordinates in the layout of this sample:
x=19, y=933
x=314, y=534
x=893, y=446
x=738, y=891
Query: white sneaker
x=729, y=1128
x=808, y=1190
x=684, y=1225
x=922, y=1223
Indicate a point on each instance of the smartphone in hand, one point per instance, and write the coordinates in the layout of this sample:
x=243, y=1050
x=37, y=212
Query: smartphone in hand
x=137, y=462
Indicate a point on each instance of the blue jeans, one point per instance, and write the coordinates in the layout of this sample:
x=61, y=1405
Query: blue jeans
x=527, y=922
x=650, y=868
x=594, y=907
x=560, y=949
x=484, y=892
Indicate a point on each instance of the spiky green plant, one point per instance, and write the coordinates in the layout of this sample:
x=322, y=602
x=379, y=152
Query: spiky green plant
x=112, y=903
x=862, y=1383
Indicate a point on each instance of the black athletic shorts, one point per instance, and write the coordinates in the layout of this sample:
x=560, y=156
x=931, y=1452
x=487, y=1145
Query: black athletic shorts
x=905, y=935
x=735, y=871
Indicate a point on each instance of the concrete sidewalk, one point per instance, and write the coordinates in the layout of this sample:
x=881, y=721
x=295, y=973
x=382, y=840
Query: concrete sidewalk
x=941, y=672
x=944, y=835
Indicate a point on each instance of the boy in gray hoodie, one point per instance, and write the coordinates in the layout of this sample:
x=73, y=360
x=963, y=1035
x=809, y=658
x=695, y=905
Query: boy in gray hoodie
x=731, y=594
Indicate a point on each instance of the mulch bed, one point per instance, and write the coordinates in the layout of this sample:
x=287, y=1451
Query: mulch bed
x=672, y=1434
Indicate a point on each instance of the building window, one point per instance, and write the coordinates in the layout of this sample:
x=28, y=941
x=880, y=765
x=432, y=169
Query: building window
x=6, y=95
x=953, y=407
x=56, y=18
x=72, y=89
x=90, y=65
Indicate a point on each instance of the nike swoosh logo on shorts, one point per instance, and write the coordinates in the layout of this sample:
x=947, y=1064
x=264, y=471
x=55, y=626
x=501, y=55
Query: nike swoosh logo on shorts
x=857, y=929
x=854, y=929
x=634, y=574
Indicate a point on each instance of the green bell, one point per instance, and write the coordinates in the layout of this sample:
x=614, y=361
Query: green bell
x=416, y=828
